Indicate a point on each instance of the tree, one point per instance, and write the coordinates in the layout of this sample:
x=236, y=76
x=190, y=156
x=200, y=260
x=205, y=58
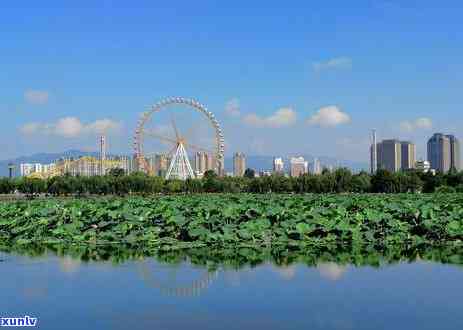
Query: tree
x=249, y=173
x=193, y=186
x=445, y=190
x=432, y=181
x=327, y=182
x=383, y=182
x=343, y=177
x=414, y=183
x=361, y=182
x=6, y=186
x=210, y=181
x=209, y=174
x=117, y=172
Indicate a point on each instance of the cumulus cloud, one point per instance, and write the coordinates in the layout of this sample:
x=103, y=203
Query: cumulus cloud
x=67, y=127
x=232, y=108
x=36, y=96
x=70, y=127
x=30, y=128
x=420, y=123
x=103, y=125
x=329, y=116
x=333, y=63
x=282, y=117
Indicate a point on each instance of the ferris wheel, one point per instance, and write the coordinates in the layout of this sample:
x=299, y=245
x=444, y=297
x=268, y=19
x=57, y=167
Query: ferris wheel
x=160, y=132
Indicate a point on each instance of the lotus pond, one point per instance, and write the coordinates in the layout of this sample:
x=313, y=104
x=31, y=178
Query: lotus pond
x=235, y=262
x=231, y=221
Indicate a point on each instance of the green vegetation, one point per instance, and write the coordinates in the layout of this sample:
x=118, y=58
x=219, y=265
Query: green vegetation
x=339, y=181
x=288, y=222
x=243, y=257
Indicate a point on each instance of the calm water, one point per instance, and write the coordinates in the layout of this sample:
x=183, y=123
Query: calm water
x=66, y=293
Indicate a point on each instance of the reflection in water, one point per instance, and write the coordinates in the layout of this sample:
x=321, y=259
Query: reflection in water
x=331, y=271
x=286, y=272
x=232, y=278
x=238, y=289
x=36, y=292
x=69, y=265
x=151, y=276
x=330, y=262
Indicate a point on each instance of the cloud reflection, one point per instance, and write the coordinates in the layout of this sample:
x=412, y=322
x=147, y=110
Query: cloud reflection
x=331, y=271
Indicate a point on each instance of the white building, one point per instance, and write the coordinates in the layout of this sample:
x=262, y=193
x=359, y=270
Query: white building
x=316, y=167
x=26, y=169
x=423, y=166
x=278, y=165
x=239, y=164
x=265, y=173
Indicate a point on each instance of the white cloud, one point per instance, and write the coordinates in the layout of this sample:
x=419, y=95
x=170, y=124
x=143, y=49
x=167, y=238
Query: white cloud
x=420, y=123
x=103, y=125
x=232, y=108
x=282, y=117
x=70, y=127
x=66, y=127
x=329, y=116
x=36, y=96
x=30, y=128
x=333, y=63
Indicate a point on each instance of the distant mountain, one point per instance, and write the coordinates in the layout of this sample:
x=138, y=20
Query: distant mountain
x=258, y=163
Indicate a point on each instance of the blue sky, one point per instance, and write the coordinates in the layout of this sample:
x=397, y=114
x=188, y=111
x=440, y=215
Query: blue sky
x=282, y=77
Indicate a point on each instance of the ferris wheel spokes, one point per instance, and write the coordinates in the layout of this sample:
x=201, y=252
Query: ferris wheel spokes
x=185, y=143
x=180, y=166
x=160, y=137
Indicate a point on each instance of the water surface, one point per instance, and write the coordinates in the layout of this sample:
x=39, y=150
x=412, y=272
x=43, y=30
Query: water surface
x=67, y=293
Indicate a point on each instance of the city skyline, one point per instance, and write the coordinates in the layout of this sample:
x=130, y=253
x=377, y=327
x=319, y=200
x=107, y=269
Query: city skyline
x=310, y=81
x=443, y=155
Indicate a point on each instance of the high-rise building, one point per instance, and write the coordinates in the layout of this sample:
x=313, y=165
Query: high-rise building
x=126, y=163
x=201, y=165
x=11, y=170
x=389, y=154
x=239, y=164
x=211, y=163
x=102, y=154
x=408, y=155
x=299, y=166
x=160, y=164
x=394, y=155
x=151, y=160
x=373, y=153
x=316, y=167
x=439, y=152
x=278, y=165
x=454, y=153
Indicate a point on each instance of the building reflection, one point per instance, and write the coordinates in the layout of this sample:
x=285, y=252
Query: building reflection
x=168, y=284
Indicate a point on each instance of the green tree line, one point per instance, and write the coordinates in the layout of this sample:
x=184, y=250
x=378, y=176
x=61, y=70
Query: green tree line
x=339, y=181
